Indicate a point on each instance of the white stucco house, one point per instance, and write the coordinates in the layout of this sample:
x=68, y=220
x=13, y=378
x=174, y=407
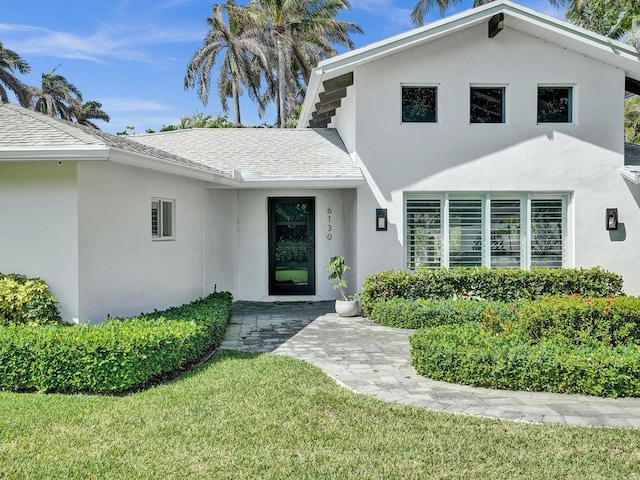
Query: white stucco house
x=490, y=138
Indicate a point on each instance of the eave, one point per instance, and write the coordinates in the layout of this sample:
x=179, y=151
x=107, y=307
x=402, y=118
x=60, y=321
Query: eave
x=53, y=154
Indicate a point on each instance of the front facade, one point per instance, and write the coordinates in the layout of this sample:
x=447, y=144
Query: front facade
x=492, y=138
x=497, y=149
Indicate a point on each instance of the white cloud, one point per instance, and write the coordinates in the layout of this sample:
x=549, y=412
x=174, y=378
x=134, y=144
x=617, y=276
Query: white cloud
x=121, y=41
x=123, y=104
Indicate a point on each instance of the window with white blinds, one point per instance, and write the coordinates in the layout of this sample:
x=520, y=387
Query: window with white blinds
x=500, y=231
x=506, y=233
x=162, y=214
x=424, y=233
x=547, y=233
x=465, y=233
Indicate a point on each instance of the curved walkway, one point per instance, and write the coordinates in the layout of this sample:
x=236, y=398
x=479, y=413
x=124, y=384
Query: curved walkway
x=375, y=360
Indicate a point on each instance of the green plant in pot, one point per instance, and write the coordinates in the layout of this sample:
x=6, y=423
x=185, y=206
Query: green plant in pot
x=346, y=306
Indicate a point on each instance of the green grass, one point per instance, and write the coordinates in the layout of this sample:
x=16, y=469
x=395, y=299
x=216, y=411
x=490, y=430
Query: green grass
x=293, y=275
x=271, y=417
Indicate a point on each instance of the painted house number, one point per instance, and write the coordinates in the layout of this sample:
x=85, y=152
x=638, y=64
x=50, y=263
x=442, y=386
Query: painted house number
x=329, y=235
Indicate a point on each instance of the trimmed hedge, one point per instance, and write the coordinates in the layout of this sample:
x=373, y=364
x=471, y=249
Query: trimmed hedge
x=26, y=301
x=471, y=355
x=113, y=357
x=407, y=313
x=612, y=321
x=489, y=284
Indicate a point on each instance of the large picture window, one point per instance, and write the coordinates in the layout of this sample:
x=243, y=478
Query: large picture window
x=498, y=231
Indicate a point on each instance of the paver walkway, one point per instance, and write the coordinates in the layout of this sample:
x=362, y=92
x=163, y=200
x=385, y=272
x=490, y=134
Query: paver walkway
x=375, y=360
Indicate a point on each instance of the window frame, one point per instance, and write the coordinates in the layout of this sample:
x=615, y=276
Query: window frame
x=487, y=86
x=160, y=237
x=572, y=102
x=525, y=199
x=434, y=86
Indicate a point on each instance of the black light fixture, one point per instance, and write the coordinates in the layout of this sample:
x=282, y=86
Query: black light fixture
x=611, y=218
x=381, y=219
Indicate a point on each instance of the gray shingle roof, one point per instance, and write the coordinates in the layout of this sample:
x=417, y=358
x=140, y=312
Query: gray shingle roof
x=20, y=127
x=267, y=153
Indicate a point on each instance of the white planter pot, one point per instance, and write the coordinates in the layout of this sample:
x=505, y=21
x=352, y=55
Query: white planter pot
x=347, y=308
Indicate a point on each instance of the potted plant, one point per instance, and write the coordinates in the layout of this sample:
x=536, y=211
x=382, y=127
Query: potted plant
x=346, y=306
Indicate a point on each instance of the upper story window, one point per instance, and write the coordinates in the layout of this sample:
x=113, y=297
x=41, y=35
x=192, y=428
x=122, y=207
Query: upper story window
x=419, y=104
x=487, y=105
x=162, y=219
x=555, y=104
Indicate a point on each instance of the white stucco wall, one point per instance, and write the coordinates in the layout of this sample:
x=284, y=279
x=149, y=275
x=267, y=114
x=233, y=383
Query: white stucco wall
x=221, y=240
x=580, y=159
x=252, y=240
x=123, y=271
x=38, y=225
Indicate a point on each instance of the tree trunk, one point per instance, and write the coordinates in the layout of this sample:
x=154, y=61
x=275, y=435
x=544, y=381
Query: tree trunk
x=236, y=101
x=281, y=80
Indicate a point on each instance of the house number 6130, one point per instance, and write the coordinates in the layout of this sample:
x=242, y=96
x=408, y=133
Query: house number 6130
x=329, y=235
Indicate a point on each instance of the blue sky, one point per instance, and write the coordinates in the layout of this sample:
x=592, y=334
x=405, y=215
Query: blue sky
x=131, y=55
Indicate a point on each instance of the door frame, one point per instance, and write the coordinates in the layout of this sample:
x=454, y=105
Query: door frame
x=310, y=288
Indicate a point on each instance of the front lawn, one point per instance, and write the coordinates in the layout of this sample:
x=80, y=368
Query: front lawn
x=266, y=416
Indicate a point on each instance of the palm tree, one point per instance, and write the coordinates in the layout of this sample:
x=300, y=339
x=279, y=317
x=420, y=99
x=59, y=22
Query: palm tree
x=91, y=110
x=241, y=51
x=10, y=63
x=56, y=97
x=632, y=119
x=299, y=33
x=617, y=19
x=424, y=6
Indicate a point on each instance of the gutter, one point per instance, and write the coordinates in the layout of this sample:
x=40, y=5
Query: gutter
x=50, y=153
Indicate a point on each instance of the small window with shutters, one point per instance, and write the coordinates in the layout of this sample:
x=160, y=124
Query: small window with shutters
x=162, y=219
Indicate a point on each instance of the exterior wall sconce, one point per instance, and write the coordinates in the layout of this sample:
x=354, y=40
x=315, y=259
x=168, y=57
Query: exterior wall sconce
x=381, y=219
x=612, y=219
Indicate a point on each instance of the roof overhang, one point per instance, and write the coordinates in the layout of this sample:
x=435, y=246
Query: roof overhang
x=256, y=180
x=53, y=154
x=497, y=15
x=152, y=163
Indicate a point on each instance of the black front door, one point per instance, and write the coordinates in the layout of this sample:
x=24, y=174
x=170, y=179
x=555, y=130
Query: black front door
x=291, y=246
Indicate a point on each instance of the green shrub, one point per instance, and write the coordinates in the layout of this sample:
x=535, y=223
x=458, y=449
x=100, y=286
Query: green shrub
x=489, y=284
x=26, y=301
x=612, y=321
x=408, y=313
x=470, y=354
x=115, y=356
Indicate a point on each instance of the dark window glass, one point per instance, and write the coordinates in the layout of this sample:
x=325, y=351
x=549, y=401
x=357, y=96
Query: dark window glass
x=555, y=104
x=419, y=104
x=487, y=105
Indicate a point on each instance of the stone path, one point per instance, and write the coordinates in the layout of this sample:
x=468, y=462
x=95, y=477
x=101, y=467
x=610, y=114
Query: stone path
x=375, y=360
